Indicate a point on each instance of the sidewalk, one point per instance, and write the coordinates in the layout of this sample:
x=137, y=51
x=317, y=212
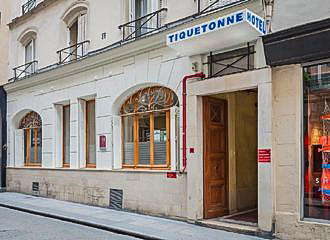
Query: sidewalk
x=136, y=225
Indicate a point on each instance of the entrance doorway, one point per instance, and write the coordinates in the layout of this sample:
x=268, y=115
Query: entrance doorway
x=230, y=157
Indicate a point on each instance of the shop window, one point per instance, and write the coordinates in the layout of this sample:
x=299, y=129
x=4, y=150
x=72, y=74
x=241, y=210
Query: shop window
x=32, y=133
x=90, y=134
x=146, y=128
x=66, y=136
x=317, y=141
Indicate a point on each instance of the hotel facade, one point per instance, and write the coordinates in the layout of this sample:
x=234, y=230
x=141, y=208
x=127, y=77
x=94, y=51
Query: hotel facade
x=172, y=108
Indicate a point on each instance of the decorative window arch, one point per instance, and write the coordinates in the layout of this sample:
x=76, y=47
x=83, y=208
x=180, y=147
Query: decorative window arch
x=31, y=124
x=75, y=19
x=146, y=128
x=28, y=40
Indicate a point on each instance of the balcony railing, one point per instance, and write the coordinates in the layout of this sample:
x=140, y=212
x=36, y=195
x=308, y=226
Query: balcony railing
x=217, y=4
x=25, y=69
x=28, y=6
x=74, y=52
x=239, y=60
x=142, y=26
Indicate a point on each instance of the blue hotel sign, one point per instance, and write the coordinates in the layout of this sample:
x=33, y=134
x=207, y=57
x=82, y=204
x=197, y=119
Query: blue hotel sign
x=217, y=24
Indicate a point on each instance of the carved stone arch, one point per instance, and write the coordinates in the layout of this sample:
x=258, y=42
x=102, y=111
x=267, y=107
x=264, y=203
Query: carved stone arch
x=72, y=12
x=150, y=99
x=30, y=120
x=27, y=35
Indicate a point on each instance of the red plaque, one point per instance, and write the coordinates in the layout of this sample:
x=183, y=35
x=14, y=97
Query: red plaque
x=171, y=175
x=264, y=155
x=103, y=142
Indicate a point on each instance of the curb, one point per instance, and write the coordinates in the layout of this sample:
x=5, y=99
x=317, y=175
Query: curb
x=84, y=223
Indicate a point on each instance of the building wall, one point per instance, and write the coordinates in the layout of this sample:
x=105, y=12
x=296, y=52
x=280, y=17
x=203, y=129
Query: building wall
x=110, y=85
x=4, y=40
x=143, y=191
x=104, y=16
x=296, y=12
x=287, y=148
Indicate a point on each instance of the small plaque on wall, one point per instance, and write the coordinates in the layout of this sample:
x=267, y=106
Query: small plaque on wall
x=264, y=155
x=103, y=143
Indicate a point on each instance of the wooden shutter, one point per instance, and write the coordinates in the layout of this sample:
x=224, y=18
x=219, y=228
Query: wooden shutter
x=175, y=138
x=117, y=141
x=19, y=148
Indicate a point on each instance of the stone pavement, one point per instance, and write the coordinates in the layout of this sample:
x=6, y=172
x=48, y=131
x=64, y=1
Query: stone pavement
x=131, y=224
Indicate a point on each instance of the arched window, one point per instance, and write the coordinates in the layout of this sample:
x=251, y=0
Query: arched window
x=31, y=124
x=146, y=128
x=28, y=41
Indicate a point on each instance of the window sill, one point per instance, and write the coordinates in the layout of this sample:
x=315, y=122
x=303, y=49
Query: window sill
x=320, y=222
x=124, y=170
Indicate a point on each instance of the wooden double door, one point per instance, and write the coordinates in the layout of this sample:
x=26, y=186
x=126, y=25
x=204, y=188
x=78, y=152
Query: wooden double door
x=215, y=130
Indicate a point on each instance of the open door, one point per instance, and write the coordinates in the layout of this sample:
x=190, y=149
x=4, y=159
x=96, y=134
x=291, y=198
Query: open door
x=215, y=157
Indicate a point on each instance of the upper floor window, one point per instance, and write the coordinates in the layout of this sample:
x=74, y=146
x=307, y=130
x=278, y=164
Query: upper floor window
x=30, y=56
x=77, y=43
x=28, y=53
x=146, y=128
x=145, y=16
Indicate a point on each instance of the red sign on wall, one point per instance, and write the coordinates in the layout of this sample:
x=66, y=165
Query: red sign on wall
x=171, y=174
x=264, y=155
x=103, y=143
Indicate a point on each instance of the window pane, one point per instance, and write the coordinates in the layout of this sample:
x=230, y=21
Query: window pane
x=317, y=141
x=128, y=124
x=91, y=132
x=144, y=139
x=160, y=135
x=39, y=143
x=26, y=146
x=66, y=135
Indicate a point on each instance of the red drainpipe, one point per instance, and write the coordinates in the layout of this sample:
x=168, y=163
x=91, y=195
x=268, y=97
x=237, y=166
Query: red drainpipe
x=184, y=118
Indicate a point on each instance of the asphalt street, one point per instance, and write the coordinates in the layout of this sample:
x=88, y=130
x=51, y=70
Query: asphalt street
x=15, y=225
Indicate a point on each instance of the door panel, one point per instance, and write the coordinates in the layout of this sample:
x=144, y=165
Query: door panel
x=215, y=157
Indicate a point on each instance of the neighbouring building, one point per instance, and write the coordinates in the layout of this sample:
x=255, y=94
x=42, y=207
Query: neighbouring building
x=299, y=54
x=4, y=44
x=163, y=107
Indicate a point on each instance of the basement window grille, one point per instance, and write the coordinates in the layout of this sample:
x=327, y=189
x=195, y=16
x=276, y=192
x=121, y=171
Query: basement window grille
x=116, y=199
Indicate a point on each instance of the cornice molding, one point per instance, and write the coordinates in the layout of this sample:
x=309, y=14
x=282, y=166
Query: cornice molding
x=21, y=19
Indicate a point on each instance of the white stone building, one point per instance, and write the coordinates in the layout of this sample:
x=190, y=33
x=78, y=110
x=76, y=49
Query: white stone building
x=152, y=106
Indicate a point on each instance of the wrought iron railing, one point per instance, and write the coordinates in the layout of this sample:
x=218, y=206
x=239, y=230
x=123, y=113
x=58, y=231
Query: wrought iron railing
x=235, y=61
x=217, y=4
x=25, y=69
x=142, y=26
x=28, y=6
x=74, y=52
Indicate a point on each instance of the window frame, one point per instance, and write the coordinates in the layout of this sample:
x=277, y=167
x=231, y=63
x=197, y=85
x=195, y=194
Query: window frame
x=31, y=122
x=152, y=164
x=155, y=103
x=303, y=201
x=65, y=165
x=87, y=133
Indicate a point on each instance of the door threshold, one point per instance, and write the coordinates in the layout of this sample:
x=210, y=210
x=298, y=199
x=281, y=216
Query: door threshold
x=230, y=225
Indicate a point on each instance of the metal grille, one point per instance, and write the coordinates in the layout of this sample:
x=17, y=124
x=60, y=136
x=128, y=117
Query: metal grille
x=35, y=188
x=235, y=61
x=116, y=199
